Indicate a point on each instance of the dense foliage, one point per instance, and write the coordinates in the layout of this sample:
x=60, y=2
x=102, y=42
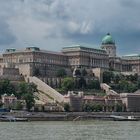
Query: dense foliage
x=67, y=83
x=6, y=87
x=79, y=83
x=96, y=107
x=66, y=107
x=90, y=107
x=122, y=83
x=24, y=91
x=61, y=73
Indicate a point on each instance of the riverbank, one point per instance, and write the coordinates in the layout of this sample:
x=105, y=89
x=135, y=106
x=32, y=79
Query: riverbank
x=68, y=116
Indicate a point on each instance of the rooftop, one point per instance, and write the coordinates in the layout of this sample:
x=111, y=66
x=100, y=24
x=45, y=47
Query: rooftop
x=31, y=49
x=131, y=57
x=83, y=48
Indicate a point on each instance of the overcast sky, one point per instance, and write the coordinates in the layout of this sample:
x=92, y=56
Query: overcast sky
x=53, y=24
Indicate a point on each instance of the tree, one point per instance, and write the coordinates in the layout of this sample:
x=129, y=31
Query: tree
x=97, y=107
x=89, y=107
x=132, y=78
x=66, y=107
x=138, y=84
x=24, y=88
x=125, y=86
x=1, y=104
x=68, y=83
x=61, y=73
x=119, y=107
x=6, y=87
x=26, y=92
x=81, y=83
x=84, y=72
x=18, y=106
x=94, y=84
x=116, y=79
x=77, y=72
x=107, y=77
x=29, y=99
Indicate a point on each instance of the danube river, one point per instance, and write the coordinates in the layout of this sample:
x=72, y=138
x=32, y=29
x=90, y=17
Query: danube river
x=79, y=130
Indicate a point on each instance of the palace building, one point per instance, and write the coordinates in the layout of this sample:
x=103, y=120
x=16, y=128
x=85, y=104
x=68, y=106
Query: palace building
x=34, y=61
x=79, y=56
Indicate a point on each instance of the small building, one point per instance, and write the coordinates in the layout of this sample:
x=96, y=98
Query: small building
x=131, y=101
x=108, y=103
x=8, y=101
x=74, y=100
x=94, y=99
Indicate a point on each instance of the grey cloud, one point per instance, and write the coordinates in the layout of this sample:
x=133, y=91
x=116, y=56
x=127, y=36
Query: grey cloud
x=73, y=20
x=130, y=3
x=6, y=36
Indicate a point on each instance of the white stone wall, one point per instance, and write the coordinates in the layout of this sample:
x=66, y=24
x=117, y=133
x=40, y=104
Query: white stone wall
x=24, y=69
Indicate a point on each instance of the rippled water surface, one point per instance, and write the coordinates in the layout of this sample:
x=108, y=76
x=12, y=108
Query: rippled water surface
x=80, y=130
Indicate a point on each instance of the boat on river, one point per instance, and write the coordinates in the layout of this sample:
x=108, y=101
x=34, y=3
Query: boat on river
x=12, y=119
x=123, y=118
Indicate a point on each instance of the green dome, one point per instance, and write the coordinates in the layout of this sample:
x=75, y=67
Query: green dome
x=108, y=39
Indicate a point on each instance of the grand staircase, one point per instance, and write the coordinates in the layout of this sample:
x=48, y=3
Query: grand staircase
x=45, y=92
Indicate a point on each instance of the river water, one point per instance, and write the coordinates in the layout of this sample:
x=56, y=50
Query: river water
x=79, y=130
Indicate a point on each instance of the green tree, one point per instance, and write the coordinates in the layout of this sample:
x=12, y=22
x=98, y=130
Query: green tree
x=1, y=104
x=61, y=73
x=132, y=78
x=116, y=79
x=126, y=86
x=138, y=84
x=29, y=99
x=18, y=106
x=22, y=89
x=6, y=87
x=81, y=83
x=94, y=84
x=107, y=77
x=26, y=92
x=88, y=107
x=97, y=107
x=77, y=72
x=119, y=107
x=84, y=72
x=66, y=107
x=68, y=83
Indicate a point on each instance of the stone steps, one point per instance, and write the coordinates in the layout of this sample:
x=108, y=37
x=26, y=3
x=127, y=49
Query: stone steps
x=46, y=90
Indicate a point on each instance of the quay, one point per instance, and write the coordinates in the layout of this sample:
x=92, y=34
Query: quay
x=69, y=116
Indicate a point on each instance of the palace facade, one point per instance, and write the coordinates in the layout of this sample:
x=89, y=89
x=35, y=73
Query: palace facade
x=33, y=61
